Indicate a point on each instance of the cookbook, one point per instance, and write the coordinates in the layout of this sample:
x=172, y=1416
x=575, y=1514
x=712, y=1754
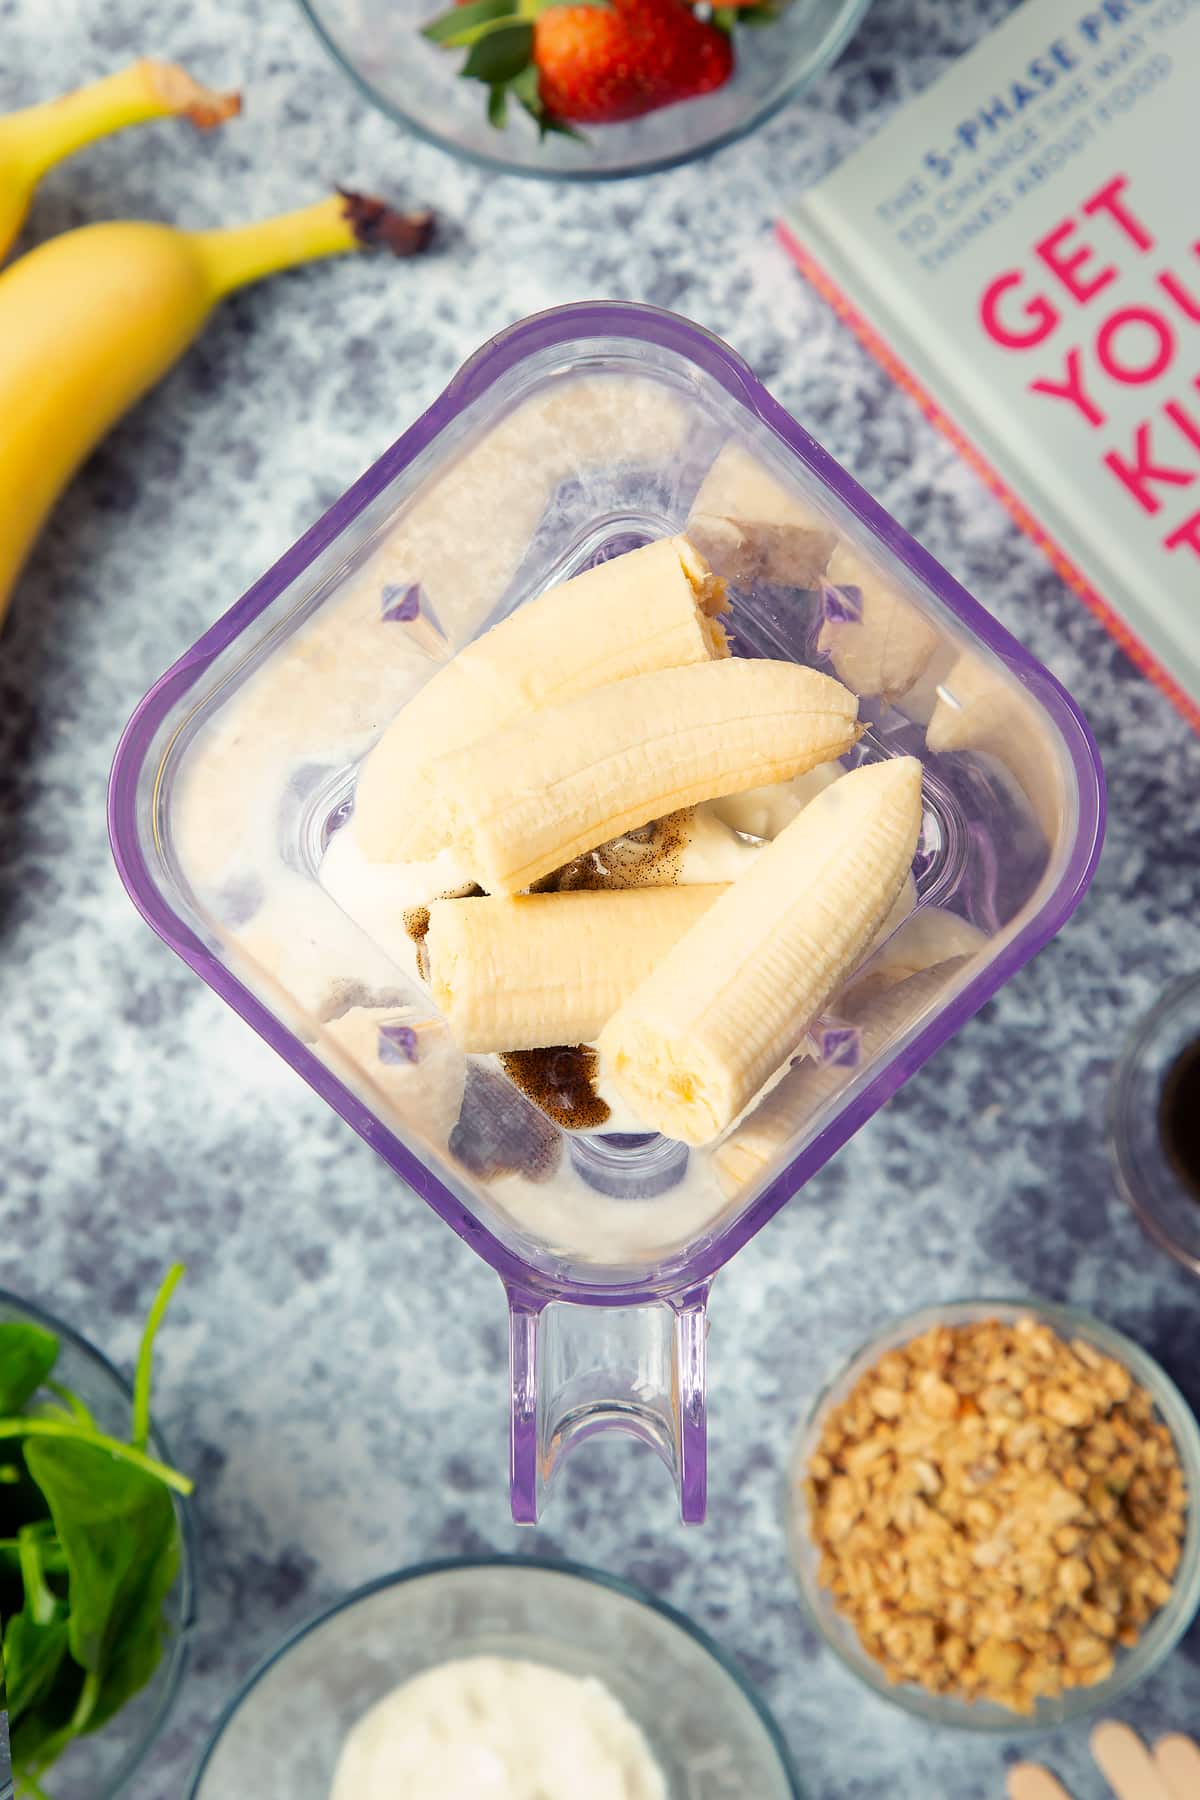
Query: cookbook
x=1020, y=246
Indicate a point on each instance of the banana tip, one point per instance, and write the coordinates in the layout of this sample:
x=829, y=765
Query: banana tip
x=375, y=223
x=209, y=109
x=182, y=95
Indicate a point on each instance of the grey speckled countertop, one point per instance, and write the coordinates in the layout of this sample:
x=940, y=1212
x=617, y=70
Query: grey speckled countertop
x=341, y=1424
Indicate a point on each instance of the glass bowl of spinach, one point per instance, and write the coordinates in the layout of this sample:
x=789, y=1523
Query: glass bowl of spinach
x=97, y=1558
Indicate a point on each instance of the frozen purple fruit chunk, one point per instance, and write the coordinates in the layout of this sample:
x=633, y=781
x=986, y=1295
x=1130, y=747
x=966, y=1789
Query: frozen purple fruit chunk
x=838, y=1045
x=500, y=1133
x=398, y=1044
x=401, y=603
x=840, y=605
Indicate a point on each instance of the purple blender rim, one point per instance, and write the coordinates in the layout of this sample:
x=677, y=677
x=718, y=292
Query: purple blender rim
x=542, y=331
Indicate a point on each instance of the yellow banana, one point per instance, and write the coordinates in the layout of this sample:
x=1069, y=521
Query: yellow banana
x=728, y=1003
x=533, y=796
x=37, y=137
x=544, y=969
x=90, y=320
x=653, y=608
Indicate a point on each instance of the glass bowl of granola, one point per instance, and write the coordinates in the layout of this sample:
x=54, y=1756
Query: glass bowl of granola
x=991, y=1515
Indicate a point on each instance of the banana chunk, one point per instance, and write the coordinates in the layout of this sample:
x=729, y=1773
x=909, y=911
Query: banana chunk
x=543, y=969
x=754, y=528
x=696, y=1042
x=528, y=799
x=930, y=937
x=654, y=608
x=982, y=710
x=885, y=642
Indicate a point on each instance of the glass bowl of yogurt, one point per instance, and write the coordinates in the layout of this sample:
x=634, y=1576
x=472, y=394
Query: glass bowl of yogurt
x=497, y=1679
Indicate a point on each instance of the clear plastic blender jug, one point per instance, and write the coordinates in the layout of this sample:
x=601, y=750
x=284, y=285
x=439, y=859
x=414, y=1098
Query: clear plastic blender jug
x=568, y=439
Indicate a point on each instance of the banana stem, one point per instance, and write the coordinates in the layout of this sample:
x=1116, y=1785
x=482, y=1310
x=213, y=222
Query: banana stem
x=40, y=136
x=240, y=254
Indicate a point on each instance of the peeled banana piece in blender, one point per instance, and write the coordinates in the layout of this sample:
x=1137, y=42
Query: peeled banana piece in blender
x=543, y=969
x=884, y=642
x=705, y=1031
x=754, y=527
x=653, y=608
x=930, y=937
x=524, y=801
x=977, y=708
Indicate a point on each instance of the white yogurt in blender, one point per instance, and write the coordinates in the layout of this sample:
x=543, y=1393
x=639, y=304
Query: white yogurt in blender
x=497, y=1728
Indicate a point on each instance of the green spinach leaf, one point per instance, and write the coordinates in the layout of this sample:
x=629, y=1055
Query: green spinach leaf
x=27, y=1355
x=113, y=1522
x=33, y=1654
x=138, y=1646
x=89, y=1550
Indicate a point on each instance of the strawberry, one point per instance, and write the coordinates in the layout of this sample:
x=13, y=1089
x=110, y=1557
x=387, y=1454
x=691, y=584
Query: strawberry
x=597, y=66
x=585, y=62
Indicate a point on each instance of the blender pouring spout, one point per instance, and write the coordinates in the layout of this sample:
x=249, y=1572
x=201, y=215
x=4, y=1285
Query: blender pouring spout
x=636, y=1367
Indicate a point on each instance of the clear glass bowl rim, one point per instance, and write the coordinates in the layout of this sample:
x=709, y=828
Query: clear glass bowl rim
x=456, y=1564
x=1179, y=1611
x=1184, y=990
x=178, y=1651
x=837, y=38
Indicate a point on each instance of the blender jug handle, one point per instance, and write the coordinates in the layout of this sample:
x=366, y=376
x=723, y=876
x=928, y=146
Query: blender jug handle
x=638, y=1368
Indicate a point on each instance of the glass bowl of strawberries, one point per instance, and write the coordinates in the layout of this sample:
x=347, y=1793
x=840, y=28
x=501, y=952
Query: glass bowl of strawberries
x=583, y=88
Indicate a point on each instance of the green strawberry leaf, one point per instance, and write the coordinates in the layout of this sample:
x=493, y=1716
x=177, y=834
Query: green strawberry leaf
x=27, y=1355
x=561, y=127
x=497, y=110
x=533, y=9
x=766, y=14
x=525, y=87
x=725, y=17
x=501, y=52
x=458, y=25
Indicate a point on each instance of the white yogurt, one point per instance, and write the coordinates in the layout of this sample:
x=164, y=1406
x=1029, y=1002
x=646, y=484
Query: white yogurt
x=495, y=1728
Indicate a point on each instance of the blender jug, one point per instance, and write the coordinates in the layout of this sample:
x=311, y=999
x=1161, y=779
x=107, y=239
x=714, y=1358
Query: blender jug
x=567, y=440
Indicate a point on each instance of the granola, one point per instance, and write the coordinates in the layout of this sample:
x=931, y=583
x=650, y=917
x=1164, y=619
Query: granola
x=996, y=1510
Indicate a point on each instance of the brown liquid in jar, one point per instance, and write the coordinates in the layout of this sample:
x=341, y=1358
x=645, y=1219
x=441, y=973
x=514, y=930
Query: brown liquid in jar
x=1179, y=1117
x=562, y=1082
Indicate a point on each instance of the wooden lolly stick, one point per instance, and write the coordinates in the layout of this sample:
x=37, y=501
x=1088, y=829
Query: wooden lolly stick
x=1177, y=1760
x=1126, y=1764
x=1029, y=1781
